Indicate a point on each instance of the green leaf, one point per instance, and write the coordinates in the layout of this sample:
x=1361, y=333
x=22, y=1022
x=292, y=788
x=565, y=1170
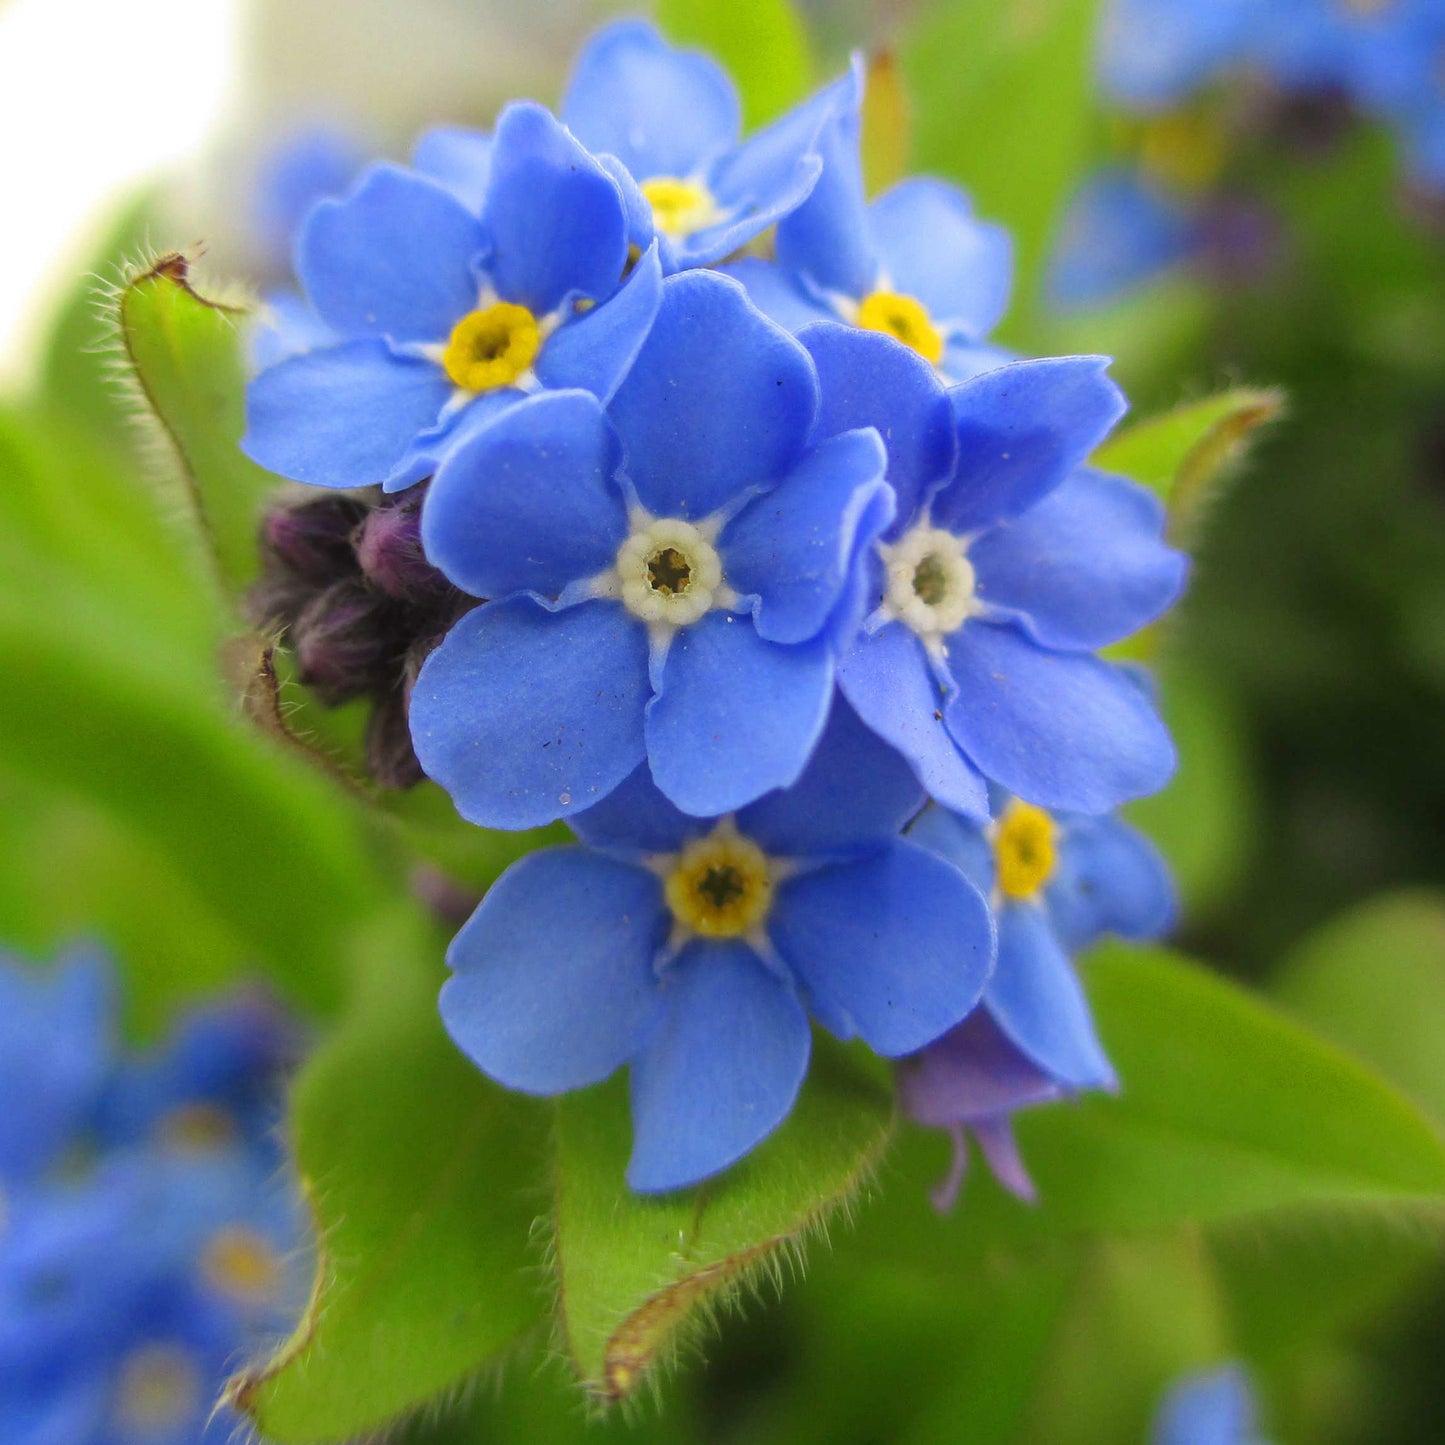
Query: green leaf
x=186, y=355
x=1004, y=105
x=763, y=43
x=1373, y=981
x=422, y=1177
x=1185, y=455
x=1228, y=1111
x=633, y=1271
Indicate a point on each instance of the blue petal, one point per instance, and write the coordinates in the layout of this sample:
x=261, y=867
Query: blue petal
x=868, y=379
x=793, y=547
x=1216, y=1408
x=1085, y=567
x=894, y=947
x=774, y=292
x=1063, y=731
x=888, y=680
x=635, y=206
x=827, y=238
x=392, y=259
x=554, y=987
x=525, y=715
x=719, y=399
x=855, y=791
x=1036, y=1000
x=735, y=716
x=931, y=246
x=458, y=158
x=596, y=351
x=431, y=447
x=963, y=360
x=636, y=818
x=341, y=417
x=768, y=176
x=961, y=840
x=1021, y=430
x=285, y=326
x=720, y=1072
x=554, y=215
x=1110, y=879
x=661, y=111
x=528, y=502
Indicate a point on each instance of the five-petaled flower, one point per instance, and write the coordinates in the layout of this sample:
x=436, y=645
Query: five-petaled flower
x=694, y=949
x=672, y=580
x=445, y=316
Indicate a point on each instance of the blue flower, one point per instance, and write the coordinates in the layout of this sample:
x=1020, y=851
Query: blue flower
x=447, y=315
x=57, y=1048
x=672, y=580
x=1055, y=883
x=671, y=119
x=1212, y=1408
x=1007, y=564
x=694, y=949
x=148, y=1238
x=1119, y=231
x=1154, y=52
x=915, y=264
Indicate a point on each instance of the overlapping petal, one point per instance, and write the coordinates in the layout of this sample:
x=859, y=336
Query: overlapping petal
x=721, y=1069
x=525, y=715
x=553, y=985
x=1110, y=879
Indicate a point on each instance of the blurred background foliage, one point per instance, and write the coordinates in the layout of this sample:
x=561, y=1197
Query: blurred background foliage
x=1304, y=676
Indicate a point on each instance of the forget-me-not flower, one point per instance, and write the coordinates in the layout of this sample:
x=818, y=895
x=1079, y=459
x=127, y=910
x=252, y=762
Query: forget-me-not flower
x=694, y=949
x=670, y=581
x=1055, y=884
x=447, y=314
x=1215, y=1407
x=671, y=118
x=1007, y=564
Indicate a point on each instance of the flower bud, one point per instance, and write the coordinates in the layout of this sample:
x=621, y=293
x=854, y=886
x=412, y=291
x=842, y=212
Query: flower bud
x=346, y=642
x=312, y=539
x=389, y=551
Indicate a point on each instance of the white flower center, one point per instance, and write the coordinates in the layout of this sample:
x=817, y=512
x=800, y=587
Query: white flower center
x=670, y=572
x=931, y=582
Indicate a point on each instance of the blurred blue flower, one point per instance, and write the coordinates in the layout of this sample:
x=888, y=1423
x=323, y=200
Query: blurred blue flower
x=1007, y=564
x=152, y=1241
x=915, y=264
x=1120, y=231
x=447, y=315
x=1055, y=884
x=694, y=949
x=1213, y=1408
x=671, y=119
x=295, y=173
x=672, y=580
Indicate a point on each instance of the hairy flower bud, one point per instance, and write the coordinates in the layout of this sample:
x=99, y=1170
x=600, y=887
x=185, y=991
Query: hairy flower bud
x=389, y=551
x=346, y=642
x=313, y=540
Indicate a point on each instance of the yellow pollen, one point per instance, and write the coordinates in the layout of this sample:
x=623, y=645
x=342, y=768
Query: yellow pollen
x=197, y=1126
x=720, y=886
x=239, y=1263
x=1023, y=849
x=160, y=1388
x=903, y=318
x=492, y=347
x=679, y=207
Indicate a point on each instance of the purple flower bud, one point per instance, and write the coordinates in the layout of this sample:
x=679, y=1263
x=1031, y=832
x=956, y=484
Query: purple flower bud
x=312, y=539
x=346, y=642
x=389, y=551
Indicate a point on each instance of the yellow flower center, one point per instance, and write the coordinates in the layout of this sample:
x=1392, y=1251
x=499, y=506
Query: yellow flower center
x=904, y=319
x=160, y=1388
x=241, y=1264
x=1023, y=850
x=1184, y=150
x=492, y=347
x=196, y=1126
x=720, y=886
x=679, y=207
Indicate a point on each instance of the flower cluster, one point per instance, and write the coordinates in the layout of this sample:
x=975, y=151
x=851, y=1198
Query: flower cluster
x=147, y=1239
x=763, y=544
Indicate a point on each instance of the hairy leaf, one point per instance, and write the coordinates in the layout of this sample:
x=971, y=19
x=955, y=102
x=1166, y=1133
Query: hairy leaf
x=422, y=1178
x=633, y=1271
